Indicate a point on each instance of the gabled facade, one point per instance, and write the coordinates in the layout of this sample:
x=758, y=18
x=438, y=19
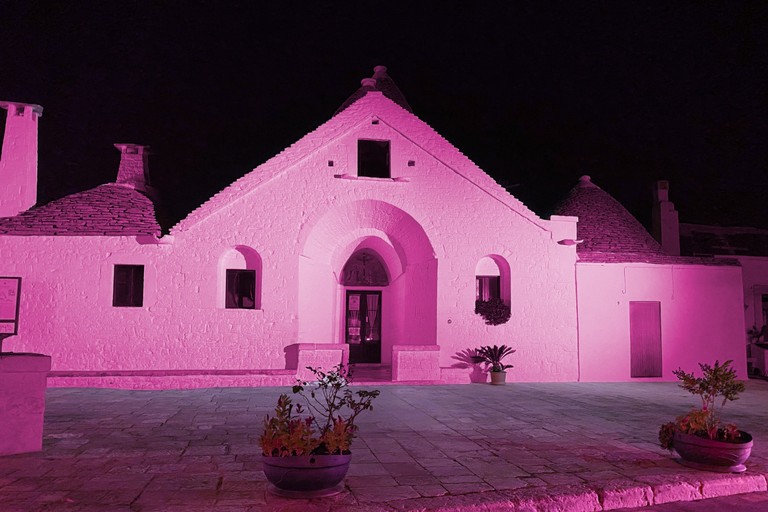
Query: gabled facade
x=368, y=240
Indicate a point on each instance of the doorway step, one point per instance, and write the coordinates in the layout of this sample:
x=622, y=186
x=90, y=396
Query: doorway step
x=370, y=373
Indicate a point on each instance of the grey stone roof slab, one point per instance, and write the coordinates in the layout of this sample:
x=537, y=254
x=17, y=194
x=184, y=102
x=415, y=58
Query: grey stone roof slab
x=107, y=210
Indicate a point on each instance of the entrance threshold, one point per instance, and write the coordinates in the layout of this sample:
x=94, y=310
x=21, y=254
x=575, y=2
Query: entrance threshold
x=365, y=373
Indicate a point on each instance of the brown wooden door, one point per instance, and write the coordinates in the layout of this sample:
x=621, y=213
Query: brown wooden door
x=645, y=339
x=363, y=326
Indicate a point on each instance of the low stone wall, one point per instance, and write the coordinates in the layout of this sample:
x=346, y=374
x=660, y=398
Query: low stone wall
x=416, y=363
x=317, y=355
x=172, y=379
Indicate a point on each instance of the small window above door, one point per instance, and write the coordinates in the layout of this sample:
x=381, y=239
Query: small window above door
x=364, y=268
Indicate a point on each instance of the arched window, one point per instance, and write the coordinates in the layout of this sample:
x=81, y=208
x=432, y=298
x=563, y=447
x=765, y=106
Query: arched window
x=240, y=278
x=492, y=289
x=487, y=279
x=364, y=268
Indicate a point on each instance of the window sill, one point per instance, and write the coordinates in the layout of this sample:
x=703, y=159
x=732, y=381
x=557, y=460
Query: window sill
x=369, y=178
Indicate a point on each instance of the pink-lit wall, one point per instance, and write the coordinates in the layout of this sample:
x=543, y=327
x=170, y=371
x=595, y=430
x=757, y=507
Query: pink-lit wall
x=297, y=219
x=755, y=276
x=702, y=316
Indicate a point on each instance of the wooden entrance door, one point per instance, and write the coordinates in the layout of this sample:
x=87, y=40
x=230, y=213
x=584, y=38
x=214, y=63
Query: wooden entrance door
x=363, y=326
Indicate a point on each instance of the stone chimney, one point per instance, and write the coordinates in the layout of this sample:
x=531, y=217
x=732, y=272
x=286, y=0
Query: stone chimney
x=18, y=164
x=666, y=226
x=134, y=167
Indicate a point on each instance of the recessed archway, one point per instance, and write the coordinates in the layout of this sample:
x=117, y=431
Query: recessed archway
x=409, y=300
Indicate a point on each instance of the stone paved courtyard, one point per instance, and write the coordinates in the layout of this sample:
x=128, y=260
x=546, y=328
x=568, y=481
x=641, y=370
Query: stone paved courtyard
x=574, y=446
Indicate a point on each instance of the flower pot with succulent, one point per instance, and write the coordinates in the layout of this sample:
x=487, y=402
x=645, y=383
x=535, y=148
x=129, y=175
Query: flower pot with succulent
x=308, y=456
x=700, y=437
x=492, y=356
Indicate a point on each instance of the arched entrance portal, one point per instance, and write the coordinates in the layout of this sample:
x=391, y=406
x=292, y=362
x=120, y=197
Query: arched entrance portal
x=340, y=248
x=364, y=277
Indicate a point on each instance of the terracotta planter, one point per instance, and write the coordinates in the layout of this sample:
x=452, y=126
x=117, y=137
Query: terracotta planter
x=23, y=380
x=703, y=453
x=498, y=378
x=306, y=476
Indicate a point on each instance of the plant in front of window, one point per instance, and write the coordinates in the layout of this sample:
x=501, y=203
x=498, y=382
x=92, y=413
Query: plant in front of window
x=492, y=356
x=701, y=439
x=308, y=456
x=494, y=311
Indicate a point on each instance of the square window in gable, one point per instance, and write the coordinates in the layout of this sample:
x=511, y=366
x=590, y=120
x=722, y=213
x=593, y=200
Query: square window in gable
x=128, y=286
x=373, y=158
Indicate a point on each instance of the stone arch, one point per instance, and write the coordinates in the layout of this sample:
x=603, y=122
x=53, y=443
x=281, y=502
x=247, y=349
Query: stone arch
x=410, y=298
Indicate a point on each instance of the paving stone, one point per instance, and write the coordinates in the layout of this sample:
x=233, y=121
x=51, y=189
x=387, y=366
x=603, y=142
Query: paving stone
x=505, y=482
x=430, y=491
x=355, y=482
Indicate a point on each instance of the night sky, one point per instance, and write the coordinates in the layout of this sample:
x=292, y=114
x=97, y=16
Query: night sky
x=536, y=94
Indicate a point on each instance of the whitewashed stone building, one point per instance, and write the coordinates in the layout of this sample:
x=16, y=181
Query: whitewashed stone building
x=368, y=240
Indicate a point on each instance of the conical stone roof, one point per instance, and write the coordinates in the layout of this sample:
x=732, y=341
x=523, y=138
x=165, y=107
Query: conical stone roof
x=107, y=210
x=605, y=226
x=610, y=234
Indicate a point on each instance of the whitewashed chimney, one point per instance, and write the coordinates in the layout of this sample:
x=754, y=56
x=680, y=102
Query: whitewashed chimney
x=18, y=164
x=666, y=225
x=134, y=166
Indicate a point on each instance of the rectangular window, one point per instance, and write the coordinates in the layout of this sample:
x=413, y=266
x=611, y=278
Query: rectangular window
x=487, y=287
x=241, y=289
x=373, y=158
x=765, y=310
x=128, y=286
x=645, y=339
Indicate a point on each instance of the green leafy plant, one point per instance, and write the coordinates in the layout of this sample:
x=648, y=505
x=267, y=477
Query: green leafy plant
x=718, y=381
x=330, y=426
x=494, y=311
x=493, y=355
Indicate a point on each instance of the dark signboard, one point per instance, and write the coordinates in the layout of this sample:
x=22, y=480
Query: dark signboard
x=10, y=292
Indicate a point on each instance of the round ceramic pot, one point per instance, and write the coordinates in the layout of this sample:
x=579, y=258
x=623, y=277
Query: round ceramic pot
x=707, y=454
x=306, y=476
x=498, y=378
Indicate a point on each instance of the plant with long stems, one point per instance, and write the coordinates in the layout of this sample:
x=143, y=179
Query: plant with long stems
x=715, y=381
x=718, y=381
x=330, y=426
x=326, y=398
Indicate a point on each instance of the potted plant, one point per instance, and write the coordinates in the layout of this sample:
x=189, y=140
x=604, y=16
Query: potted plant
x=308, y=456
x=492, y=356
x=700, y=437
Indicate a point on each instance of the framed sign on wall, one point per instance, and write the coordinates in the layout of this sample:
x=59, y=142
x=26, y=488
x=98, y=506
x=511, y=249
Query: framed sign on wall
x=10, y=294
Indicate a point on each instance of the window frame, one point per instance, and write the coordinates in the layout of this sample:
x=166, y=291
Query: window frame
x=482, y=282
x=374, y=154
x=236, y=273
x=133, y=296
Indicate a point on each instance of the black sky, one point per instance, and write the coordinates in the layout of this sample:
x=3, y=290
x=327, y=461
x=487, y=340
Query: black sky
x=536, y=93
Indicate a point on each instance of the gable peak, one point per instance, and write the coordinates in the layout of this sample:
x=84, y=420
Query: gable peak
x=381, y=82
